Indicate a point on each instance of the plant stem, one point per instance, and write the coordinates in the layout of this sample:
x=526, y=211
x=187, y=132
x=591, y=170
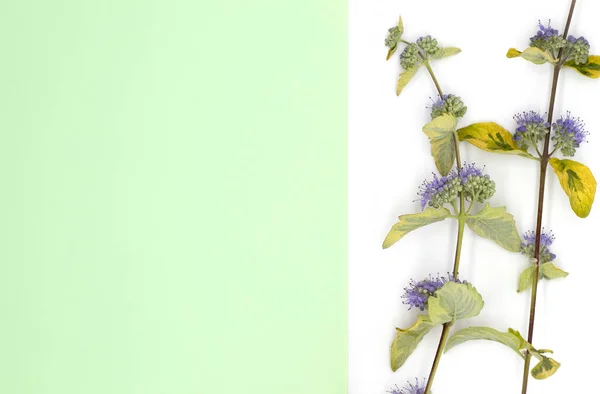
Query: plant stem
x=461, y=216
x=438, y=356
x=540, y=211
x=435, y=81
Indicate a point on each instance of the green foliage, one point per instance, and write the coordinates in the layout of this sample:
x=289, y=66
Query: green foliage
x=510, y=339
x=492, y=137
x=526, y=279
x=441, y=136
x=550, y=271
x=590, y=69
x=445, y=52
x=405, y=78
x=408, y=223
x=532, y=54
x=497, y=225
x=406, y=341
x=394, y=37
x=578, y=182
x=454, y=301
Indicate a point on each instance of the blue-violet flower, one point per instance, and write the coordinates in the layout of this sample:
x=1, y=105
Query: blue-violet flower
x=569, y=133
x=547, y=39
x=531, y=128
x=409, y=388
x=417, y=294
x=448, y=104
x=528, y=246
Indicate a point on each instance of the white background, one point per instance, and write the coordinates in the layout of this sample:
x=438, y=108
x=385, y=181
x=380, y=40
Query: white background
x=389, y=158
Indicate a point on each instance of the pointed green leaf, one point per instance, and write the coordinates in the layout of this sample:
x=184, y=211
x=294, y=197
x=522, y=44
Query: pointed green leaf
x=406, y=341
x=454, y=301
x=578, y=182
x=441, y=136
x=408, y=223
x=532, y=54
x=400, y=31
x=590, y=69
x=405, y=78
x=445, y=52
x=492, y=137
x=391, y=52
x=498, y=225
x=545, y=368
x=526, y=279
x=550, y=271
x=400, y=25
x=485, y=333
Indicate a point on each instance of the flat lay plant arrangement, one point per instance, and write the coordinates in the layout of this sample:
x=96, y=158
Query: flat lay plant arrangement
x=460, y=192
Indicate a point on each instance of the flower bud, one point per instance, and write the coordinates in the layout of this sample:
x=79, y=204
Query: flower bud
x=448, y=104
x=428, y=44
x=410, y=56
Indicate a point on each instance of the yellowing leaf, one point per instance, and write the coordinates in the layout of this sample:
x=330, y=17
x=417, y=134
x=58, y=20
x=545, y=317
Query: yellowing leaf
x=526, y=279
x=405, y=78
x=532, y=54
x=485, y=333
x=492, y=137
x=590, y=69
x=412, y=222
x=445, y=52
x=406, y=341
x=578, y=182
x=550, y=271
x=498, y=225
x=545, y=368
x=441, y=136
x=454, y=301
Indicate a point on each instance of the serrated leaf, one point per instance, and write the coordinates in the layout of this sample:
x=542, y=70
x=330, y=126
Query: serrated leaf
x=408, y=223
x=578, y=182
x=441, y=136
x=454, y=301
x=497, y=225
x=485, y=333
x=545, y=368
x=406, y=341
x=405, y=78
x=532, y=54
x=526, y=279
x=445, y=52
x=590, y=69
x=550, y=271
x=491, y=137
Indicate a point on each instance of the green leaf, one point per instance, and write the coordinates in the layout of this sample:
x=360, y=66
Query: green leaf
x=405, y=78
x=401, y=31
x=406, y=341
x=532, y=54
x=590, y=69
x=526, y=279
x=578, y=182
x=485, y=333
x=498, y=225
x=492, y=137
x=445, y=52
x=545, y=368
x=454, y=301
x=408, y=223
x=550, y=271
x=441, y=136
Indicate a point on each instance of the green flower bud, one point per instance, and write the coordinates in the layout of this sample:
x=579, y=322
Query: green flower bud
x=410, y=57
x=428, y=44
x=393, y=37
x=448, y=104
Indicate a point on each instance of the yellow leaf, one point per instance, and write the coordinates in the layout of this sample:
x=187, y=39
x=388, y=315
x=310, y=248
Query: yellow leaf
x=590, y=69
x=512, y=53
x=492, y=137
x=405, y=77
x=578, y=182
x=408, y=223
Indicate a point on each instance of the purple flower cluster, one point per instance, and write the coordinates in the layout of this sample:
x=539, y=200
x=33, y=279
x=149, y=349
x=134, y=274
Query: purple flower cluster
x=569, y=134
x=531, y=127
x=547, y=38
x=409, y=388
x=528, y=246
x=417, y=294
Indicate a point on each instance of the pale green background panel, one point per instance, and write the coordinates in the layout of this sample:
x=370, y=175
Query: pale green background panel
x=174, y=197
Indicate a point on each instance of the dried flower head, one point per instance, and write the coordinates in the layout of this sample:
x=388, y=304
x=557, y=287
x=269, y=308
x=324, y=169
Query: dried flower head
x=417, y=294
x=410, y=57
x=409, y=388
x=448, y=104
x=428, y=44
x=577, y=50
x=569, y=134
x=531, y=128
x=547, y=38
x=528, y=246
